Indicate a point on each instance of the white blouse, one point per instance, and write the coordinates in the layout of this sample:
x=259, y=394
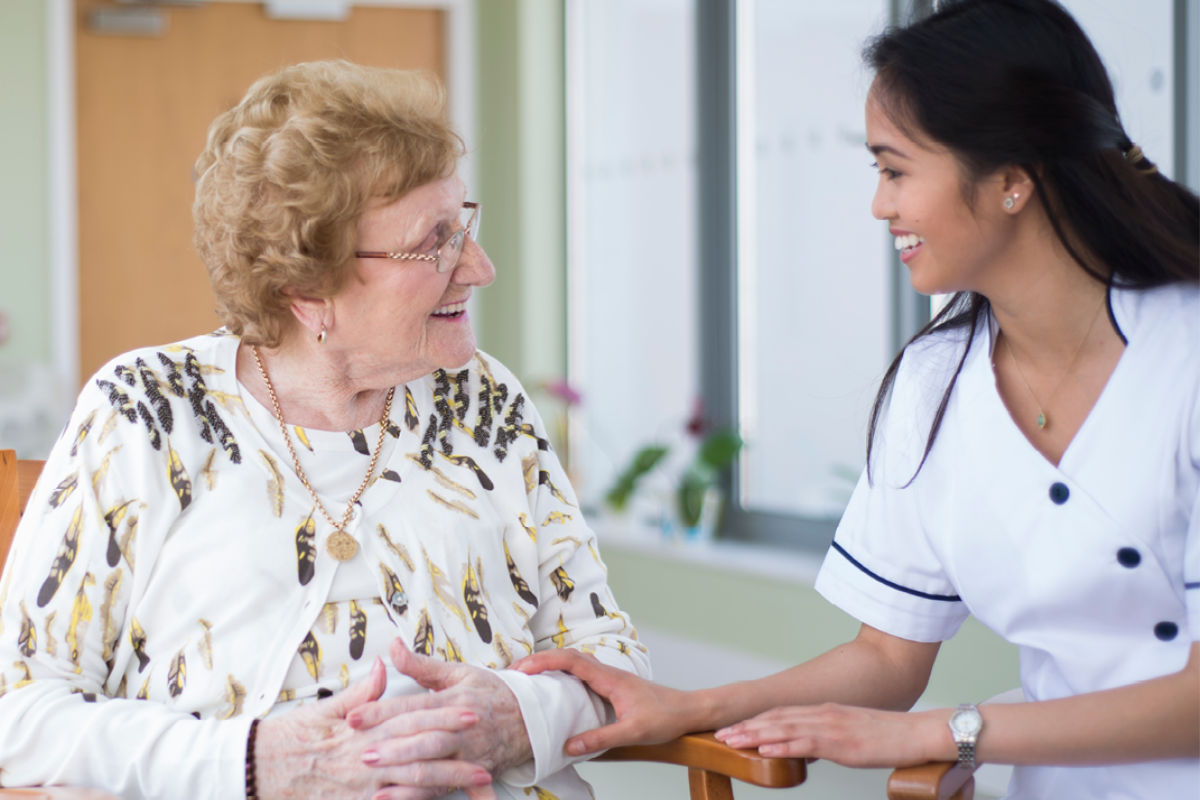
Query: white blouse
x=1091, y=567
x=169, y=554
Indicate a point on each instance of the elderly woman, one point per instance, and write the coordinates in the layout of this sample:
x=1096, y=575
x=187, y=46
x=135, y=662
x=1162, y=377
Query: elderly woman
x=235, y=527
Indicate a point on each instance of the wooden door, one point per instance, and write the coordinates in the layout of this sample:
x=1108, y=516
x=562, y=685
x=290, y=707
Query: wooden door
x=143, y=108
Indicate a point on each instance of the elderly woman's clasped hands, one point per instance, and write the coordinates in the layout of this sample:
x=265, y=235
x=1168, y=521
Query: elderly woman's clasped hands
x=465, y=729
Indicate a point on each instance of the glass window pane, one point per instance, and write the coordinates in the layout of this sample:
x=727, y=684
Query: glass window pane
x=632, y=179
x=815, y=309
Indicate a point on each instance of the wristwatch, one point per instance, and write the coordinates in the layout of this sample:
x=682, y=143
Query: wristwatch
x=965, y=725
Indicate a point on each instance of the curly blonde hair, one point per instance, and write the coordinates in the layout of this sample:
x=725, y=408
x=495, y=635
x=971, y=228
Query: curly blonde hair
x=287, y=172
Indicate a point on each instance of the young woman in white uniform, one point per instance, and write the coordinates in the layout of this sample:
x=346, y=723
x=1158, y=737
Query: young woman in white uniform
x=1034, y=455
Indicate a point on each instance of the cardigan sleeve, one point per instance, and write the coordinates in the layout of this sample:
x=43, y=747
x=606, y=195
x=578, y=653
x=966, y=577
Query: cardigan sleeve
x=66, y=621
x=577, y=610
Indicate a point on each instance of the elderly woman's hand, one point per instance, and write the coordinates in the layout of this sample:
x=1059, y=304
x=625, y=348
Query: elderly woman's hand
x=408, y=740
x=313, y=752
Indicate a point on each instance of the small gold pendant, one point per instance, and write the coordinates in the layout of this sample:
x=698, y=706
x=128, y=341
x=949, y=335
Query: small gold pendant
x=341, y=546
x=1041, y=421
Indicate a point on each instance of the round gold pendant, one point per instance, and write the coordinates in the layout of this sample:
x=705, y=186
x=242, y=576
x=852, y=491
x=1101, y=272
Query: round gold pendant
x=341, y=546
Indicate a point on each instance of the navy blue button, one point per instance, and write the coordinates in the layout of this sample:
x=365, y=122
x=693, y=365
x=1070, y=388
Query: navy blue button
x=1059, y=493
x=1166, y=631
x=1128, y=557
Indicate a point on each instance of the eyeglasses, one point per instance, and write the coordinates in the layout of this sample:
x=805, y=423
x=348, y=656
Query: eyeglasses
x=446, y=257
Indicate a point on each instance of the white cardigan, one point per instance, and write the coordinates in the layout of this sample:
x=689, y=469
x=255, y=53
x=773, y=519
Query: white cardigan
x=170, y=553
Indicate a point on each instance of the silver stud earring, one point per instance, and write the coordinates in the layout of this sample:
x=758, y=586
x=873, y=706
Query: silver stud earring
x=1009, y=202
x=321, y=335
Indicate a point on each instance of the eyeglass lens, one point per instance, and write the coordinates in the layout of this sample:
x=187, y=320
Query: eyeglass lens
x=449, y=253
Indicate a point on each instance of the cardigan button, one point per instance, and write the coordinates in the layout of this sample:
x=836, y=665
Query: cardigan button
x=1129, y=557
x=1059, y=492
x=1166, y=631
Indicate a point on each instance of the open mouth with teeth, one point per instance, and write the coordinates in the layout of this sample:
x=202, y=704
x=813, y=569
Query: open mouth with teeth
x=908, y=245
x=452, y=310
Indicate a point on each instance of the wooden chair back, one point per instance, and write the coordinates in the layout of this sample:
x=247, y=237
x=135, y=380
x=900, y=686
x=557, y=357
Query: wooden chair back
x=17, y=478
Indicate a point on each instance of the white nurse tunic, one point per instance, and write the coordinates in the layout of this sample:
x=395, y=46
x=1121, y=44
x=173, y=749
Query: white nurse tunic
x=1092, y=567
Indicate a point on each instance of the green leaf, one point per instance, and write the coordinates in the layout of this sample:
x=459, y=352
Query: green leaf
x=719, y=448
x=643, y=461
x=690, y=498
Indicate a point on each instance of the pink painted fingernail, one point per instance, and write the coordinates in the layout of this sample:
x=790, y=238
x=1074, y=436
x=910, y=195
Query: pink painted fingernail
x=354, y=719
x=481, y=779
x=370, y=757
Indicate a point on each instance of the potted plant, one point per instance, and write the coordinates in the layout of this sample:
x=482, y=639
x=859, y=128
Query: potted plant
x=696, y=495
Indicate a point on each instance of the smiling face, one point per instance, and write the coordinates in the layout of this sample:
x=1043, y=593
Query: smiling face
x=946, y=244
x=404, y=316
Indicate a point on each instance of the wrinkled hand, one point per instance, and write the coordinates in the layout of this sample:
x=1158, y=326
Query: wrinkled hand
x=314, y=752
x=411, y=739
x=848, y=735
x=647, y=713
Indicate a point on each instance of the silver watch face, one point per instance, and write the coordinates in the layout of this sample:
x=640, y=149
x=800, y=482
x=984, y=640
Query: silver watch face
x=966, y=721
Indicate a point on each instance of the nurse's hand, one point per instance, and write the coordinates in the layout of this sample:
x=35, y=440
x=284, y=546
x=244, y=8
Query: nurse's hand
x=847, y=735
x=647, y=713
x=408, y=738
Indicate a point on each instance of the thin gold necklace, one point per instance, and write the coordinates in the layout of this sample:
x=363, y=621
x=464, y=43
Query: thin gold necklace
x=340, y=544
x=1042, y=420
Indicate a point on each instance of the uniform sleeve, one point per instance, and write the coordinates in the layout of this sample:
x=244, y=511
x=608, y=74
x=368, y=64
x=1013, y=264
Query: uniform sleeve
x=881, y=567
x=577, y=610
x=1191, y=552
x=65, y=596
x=1191, y=570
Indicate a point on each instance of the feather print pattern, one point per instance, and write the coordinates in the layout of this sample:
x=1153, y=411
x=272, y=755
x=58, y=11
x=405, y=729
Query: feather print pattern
x=82, y=432
x=51, y=646
x=178, y=477
x=472, y=598
x=306, y=551
x=112, y=634
x=64, y=490
x=206, y=644
x=442, y=588
x=235, y=696
x=27, y=638
x=423, y=640
x=400, y=551
x=177, y=675
x=81, y=615
x=274, y=483
x=63, y=560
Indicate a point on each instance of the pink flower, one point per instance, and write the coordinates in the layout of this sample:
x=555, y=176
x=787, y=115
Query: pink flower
x=563, y=391
x=697, y=425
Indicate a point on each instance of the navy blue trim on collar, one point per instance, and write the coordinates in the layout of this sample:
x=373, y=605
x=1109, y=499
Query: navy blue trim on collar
x=1192, y=585
x=1113, y=317
x=953, y=598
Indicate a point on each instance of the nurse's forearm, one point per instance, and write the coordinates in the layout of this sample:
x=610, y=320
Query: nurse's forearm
x=875, y=670
x=1155, y=719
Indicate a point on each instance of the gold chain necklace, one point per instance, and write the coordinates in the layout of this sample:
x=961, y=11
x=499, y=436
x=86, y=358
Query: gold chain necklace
x=340, y=544
x=1042, y=420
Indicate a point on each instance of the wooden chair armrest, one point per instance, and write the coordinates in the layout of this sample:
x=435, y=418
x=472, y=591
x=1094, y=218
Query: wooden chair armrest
x=941, y=780
x=703, y=751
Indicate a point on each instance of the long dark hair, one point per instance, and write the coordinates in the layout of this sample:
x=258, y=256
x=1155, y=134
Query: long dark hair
x=1017, y=83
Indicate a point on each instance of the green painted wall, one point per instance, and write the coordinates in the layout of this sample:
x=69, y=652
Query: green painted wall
x=24, y=258
x=785, y=621
x=522, y=176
